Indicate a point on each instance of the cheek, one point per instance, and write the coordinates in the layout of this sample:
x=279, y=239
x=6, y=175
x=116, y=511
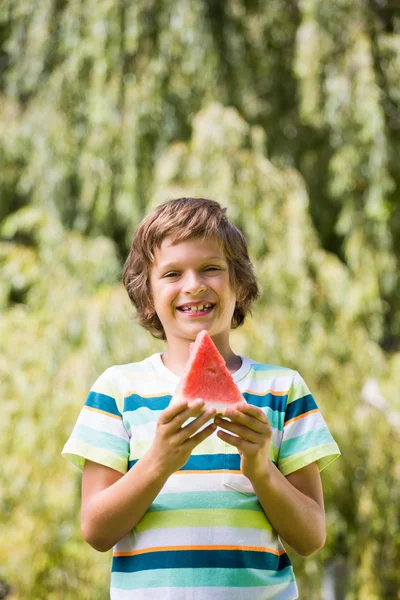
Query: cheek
x=164, y=295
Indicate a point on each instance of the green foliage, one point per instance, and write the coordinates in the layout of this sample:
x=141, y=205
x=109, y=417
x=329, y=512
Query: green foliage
x=286, y=113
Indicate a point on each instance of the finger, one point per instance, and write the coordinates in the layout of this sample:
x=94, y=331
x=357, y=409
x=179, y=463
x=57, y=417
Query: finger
x=251, y=417
x=235, y=441
x=194, y=410
x=249, y=409
x=171, y=411
x=262, y=427
x=242, y=431
x=195, y=425
x=187, y=411
x=202, y=435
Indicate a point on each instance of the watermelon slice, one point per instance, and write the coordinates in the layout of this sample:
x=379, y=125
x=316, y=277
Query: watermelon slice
x=207, y=377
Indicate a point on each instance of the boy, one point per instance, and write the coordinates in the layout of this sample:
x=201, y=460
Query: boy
x=193, y=503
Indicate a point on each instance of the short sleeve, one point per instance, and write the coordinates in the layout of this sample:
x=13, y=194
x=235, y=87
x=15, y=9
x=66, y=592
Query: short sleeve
x=99, y=434
x=306, y=437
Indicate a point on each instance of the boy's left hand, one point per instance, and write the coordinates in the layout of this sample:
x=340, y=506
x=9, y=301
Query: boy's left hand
x=252, y=437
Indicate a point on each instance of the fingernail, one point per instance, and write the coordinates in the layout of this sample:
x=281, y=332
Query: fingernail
x=196, y=404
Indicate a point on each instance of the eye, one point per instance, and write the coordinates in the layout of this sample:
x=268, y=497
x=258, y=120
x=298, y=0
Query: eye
x=212, y=268
x=171, y=274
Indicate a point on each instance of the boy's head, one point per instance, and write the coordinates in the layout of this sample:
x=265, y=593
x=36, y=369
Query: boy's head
x=181, y=220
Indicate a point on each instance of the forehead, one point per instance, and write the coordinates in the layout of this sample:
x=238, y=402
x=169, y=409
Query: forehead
x=190, y=250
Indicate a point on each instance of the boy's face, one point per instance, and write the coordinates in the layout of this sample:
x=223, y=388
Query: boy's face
x=191, y=289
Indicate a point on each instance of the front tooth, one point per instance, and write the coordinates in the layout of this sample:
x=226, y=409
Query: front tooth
x=197, y=307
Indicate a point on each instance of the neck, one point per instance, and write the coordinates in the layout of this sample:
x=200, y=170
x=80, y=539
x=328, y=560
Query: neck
x=176, y=354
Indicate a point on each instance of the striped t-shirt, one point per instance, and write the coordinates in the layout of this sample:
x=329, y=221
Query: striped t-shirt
x=205, y=536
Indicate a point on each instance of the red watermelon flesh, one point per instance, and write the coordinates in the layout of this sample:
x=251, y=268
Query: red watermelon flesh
x=206, y=376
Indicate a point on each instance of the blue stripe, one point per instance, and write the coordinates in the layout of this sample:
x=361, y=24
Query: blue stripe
x=267, y=400
x=300, y=406
x=212, y=462
x=134, y=402
x=233, y=462
x=207, y=462
x=102, y=402
x=197, y=559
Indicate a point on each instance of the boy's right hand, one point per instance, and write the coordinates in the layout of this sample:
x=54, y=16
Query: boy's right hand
x=173, y=442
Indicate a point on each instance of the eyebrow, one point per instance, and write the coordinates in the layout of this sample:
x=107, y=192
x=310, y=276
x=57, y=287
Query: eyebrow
x=174, y=264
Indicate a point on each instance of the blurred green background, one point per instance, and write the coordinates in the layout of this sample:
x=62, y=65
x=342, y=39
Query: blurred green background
x=285, y=112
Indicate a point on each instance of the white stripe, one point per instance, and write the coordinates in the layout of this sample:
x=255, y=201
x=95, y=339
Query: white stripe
x=238, y=483
x=277, y=383
x=101, y=422
x=152, y=386
x=194, y=482
x=134, y=378
x=311, y=422
x=199, y=536
x=218, y=482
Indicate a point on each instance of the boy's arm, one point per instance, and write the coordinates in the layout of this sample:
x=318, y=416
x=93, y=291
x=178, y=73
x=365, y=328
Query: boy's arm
x=293, y=504
x=112, y=503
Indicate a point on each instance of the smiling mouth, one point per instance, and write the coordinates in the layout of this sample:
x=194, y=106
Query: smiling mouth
x=196, y=308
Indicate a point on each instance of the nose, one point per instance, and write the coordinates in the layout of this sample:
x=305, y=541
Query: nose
x=193, y=283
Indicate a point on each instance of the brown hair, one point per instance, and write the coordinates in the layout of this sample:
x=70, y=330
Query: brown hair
x=183, y=219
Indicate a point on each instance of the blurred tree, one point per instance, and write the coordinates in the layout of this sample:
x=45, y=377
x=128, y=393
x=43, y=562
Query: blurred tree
x=109, y=107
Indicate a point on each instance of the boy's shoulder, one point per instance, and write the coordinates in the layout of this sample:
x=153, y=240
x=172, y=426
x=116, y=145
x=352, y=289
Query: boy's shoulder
x=145, y=365
x=261, y=366
x=268, y=370
x=274, y=378
x=145, y=378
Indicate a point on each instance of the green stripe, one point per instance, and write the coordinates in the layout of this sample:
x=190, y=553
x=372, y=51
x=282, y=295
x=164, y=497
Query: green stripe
x=205, y=500
x=106, y=441
x=141, y=416
x=298, y=390
x=77, y=451
x=218, y=517
x=273, y=453
x=322, y=455
x=275, y=417
x=224, y=578
x=308, y=440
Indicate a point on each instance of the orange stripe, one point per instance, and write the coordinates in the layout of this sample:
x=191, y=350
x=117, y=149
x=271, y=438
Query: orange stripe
x=103, y=412
x=169, y=548
x=147, y=395
x=275, y=393
x=310, y=412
